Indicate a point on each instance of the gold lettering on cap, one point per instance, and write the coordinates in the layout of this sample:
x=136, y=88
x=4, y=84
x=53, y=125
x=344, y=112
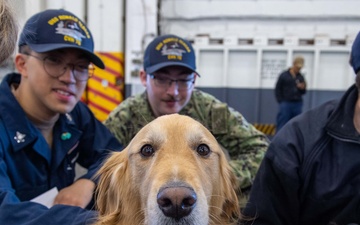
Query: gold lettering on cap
x=178, y=57
x=185, y=45
x=167, y=40
x=71, y=39
x=82, y=26
x=159, y=46
x=68, y=17
x=53, y=20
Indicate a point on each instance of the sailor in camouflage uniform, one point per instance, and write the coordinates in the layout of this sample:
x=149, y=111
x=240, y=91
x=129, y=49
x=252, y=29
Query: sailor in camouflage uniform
x=169, y=76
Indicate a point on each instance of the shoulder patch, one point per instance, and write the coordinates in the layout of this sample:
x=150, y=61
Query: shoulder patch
x=219, y=118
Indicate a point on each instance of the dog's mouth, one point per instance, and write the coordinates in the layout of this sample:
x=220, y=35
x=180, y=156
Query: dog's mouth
x=182, y=221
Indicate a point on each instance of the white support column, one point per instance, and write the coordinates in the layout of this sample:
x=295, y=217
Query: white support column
x=25, y=9
x=141, y=26
x=225, y=73
x=105, y=20
x=33, y=6
x=77, y=7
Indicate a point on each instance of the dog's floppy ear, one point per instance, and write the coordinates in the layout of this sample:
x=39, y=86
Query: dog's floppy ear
x=229, y=186
x=113, y=177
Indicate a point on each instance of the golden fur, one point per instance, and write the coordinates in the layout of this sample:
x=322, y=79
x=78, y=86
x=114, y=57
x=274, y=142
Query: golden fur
x=173, y=172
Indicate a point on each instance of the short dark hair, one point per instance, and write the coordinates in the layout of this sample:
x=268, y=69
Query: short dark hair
x=24, y=49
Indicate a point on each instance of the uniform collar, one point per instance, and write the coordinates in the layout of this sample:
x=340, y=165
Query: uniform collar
x=340, y=122
x=19, y=128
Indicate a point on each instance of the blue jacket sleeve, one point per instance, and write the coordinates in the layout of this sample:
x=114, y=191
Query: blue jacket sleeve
x=12, y=211
x=29, y=213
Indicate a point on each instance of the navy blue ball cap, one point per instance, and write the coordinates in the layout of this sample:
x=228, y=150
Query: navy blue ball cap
x=355, y=54
x=56, y=29
x=169, y=50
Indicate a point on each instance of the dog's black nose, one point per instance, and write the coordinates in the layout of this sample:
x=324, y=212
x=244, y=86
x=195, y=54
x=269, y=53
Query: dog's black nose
x=176, y=202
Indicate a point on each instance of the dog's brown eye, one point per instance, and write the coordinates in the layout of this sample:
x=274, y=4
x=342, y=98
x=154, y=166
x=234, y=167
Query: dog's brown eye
x=147, y=150
x=203, y=150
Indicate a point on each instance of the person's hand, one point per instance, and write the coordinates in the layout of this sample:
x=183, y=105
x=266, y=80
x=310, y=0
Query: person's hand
x=300, y=85
x=79, y=193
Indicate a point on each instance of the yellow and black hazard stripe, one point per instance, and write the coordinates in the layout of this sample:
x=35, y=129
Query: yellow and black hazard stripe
x=268, y=129
x=105, y=89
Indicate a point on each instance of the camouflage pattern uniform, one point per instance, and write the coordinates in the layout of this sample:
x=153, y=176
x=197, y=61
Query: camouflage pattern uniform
x=245, y=145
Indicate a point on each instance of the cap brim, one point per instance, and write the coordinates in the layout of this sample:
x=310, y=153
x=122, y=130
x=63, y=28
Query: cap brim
x=158, y=66
x=50, y=47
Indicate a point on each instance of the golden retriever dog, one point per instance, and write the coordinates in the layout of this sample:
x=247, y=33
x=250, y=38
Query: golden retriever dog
x=173, y=172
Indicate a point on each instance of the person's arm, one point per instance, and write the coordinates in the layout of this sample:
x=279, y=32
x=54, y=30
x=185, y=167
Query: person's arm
x=274, y=195
x=30, y=213
x=278, y=89
x=79, y=193
x=119, y=122
x=13, y=211
x=246, y=146
x=301, y=85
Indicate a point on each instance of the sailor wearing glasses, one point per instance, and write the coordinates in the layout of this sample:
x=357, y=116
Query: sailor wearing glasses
x=45, y=130
x=169, y=76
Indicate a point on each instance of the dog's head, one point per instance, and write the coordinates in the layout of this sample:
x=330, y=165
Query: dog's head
x=172, y=172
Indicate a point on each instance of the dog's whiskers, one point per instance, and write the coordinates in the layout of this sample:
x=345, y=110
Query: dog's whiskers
x=139, y=216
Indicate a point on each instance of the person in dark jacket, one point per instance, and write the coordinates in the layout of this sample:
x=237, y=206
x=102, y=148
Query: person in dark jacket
x=289, y=89
x=311, y=171
x=44, y=129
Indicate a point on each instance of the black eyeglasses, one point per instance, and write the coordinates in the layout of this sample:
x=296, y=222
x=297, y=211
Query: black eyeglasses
x=56, y=67
x=182, y=84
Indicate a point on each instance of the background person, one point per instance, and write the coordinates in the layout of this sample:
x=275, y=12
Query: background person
x=289, y=89
x=44, y=129
x=311, y=171
x=169, y=76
